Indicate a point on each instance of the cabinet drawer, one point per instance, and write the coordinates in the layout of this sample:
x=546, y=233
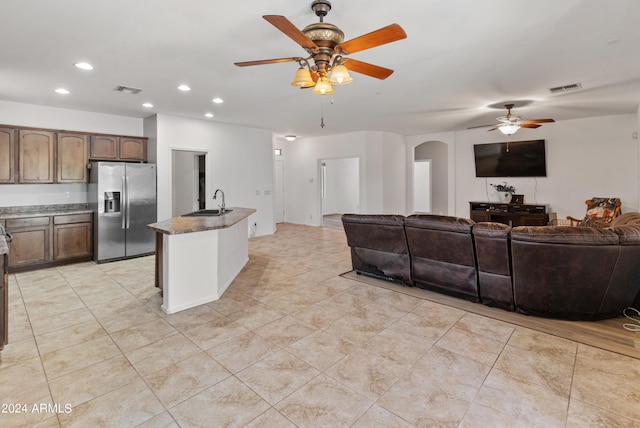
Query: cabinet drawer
x=72, y=218
x=27, y=222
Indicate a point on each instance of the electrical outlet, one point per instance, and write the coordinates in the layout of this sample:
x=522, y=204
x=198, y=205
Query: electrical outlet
x=67, y=195
x=257, y=193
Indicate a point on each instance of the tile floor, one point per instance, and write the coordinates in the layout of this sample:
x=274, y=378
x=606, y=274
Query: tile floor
x=291, y=343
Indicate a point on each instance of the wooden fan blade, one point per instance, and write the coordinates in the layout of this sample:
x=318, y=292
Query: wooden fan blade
x=384, y=35
x=266, y=61
x=368, y=69
x=493, y=129
x=538, y=121
x=484, y=126
x=529, y=125
x=284, y=25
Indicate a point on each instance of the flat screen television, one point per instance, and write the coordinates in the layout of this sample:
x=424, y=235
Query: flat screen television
x=516, y=159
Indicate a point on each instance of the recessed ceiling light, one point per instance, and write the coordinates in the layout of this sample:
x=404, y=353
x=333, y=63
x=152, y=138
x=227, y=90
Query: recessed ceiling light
x=184, y=88
x=209, y=115
x=62, y=91
x=84, y=65
x=218, y=100
x=147, y=105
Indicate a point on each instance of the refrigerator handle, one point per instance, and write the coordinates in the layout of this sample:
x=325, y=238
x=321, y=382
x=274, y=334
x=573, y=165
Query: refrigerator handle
x=125, y=201
x=126, y=182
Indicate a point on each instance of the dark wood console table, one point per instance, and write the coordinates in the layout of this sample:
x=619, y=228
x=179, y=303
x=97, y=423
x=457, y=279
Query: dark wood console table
x=511, y=214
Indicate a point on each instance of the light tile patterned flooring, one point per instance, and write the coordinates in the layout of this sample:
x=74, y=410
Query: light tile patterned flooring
x=291, y=343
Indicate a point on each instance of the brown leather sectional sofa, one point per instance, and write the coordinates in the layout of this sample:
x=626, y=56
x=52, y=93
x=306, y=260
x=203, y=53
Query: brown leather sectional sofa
x=577, y=273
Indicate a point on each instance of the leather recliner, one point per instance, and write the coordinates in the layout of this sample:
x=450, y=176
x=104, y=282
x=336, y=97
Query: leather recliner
x=578, y=273
x=493, y=247
x=378, y=246
x=442, y=254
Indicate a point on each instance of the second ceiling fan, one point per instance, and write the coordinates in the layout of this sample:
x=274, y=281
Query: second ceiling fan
x=510, y=123
x=326, y=49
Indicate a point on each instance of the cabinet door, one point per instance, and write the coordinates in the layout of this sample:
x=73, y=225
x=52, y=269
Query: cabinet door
x=73, y=155
x=133, y=148
x=7, y=155
x=103, y=147
x=31, y=241
x=71, y=240
x=35, y=156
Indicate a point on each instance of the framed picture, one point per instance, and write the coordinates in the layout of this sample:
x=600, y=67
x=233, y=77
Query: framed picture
x=517, y=199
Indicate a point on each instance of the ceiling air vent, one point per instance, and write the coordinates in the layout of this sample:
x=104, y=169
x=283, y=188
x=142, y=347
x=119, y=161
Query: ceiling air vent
x=566, y=88
x=127, y=89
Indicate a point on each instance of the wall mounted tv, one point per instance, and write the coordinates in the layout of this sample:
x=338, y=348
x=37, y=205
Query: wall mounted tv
x=515, y=159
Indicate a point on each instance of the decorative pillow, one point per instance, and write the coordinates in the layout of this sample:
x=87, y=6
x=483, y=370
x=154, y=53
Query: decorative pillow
x=600, y=211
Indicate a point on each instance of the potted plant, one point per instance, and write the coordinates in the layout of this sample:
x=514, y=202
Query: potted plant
x=505, y=191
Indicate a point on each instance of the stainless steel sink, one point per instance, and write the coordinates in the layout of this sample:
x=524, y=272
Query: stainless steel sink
x=206, y=213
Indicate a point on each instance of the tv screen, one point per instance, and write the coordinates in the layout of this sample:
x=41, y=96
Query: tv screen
x=516, y=159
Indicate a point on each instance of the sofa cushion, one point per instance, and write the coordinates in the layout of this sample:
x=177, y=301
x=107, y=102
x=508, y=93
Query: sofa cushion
x=440, y=222
x=568, y=235
x=376, y=232
x=628, y=234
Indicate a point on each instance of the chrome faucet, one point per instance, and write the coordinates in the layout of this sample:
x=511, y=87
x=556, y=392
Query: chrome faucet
x=221, y=206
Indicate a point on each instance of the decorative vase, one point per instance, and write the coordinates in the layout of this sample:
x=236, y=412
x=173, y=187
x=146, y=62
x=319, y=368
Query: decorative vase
x=505, y=197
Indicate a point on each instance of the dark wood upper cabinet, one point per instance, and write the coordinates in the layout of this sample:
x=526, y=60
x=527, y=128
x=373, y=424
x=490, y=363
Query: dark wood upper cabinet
x=133, y=148
x=7, y=156
x=36, y=156
x=73, y=155
x=104, y=147
x=118, y=148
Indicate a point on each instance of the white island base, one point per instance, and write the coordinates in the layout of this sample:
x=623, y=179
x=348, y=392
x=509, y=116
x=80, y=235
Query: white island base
x=200, y=266
x=198, y=258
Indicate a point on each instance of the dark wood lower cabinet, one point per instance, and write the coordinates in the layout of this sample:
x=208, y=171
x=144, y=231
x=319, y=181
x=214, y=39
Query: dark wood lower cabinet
x=511, y=214
x=31, y=243
x=40, y=242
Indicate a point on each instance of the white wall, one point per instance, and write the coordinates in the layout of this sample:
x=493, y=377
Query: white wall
x=342, y=186
x=585, y=157
x=29, y=115
x=239, y=161
x=382, y=173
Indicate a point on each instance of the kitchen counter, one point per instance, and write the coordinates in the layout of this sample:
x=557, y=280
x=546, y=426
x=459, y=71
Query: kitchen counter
x=178, y=225
x=42, y=210
x=197, y=258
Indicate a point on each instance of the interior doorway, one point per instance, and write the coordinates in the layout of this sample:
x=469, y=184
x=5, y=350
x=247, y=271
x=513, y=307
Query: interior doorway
x=437, y=155
x=422, y=186
x=339, y=189
x=278, y=209
x=188, y=181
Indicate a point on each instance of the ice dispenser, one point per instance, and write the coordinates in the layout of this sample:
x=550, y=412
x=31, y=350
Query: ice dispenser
x=111, y=202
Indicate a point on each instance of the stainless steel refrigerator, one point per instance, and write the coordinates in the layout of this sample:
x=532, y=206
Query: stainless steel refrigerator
x=123, y=199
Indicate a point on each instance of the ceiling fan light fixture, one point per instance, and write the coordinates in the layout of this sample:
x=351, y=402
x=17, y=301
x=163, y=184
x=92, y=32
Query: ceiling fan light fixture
x=323, y=86
x=303, y=78
x=340, y=75
x=509, y=128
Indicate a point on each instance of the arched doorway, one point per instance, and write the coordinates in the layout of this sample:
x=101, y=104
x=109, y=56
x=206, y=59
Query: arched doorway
x=431, y=160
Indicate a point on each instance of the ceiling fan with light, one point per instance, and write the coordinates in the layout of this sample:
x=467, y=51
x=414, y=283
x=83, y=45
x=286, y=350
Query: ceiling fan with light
x=327, y=49
x=510, y=123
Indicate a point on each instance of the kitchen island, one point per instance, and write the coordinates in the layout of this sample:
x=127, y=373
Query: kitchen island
x=198, y=257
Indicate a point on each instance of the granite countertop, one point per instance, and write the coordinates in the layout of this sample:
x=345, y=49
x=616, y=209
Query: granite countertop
x=40, y=210
x=178, y=225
